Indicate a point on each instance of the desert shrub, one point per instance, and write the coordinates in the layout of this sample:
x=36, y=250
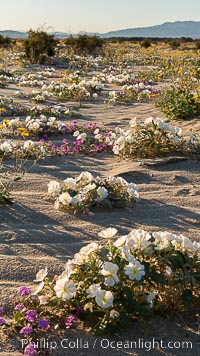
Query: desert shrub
x=85, y=43
x=39, y=44
x=174, y=44
x=198, y=45
x=179, y=103
x=146, y=43
x=5, y=41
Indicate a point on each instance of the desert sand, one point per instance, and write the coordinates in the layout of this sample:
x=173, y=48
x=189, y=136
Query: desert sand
x=34, y=235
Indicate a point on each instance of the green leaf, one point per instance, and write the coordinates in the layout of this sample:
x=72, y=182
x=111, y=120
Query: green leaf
x=17, y=178
x=158, y=278
x=107, y=202
x=187, y=298
x=177, y=261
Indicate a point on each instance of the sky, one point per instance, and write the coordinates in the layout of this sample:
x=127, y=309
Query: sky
x=101, y=16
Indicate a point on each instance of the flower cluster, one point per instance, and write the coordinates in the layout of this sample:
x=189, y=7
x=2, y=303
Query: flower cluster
x=153, y=138
x=85, y=191
x=112, y=283
x=28, y=149
x=82, y=90
x=133, y=92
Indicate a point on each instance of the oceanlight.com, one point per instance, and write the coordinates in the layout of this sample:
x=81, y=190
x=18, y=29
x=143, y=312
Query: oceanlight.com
x=80, y=344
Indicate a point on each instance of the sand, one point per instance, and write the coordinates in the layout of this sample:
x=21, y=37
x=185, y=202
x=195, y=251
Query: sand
x=34, y=235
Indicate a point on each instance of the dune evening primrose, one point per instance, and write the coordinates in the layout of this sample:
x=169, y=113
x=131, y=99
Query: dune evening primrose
x=135, y=270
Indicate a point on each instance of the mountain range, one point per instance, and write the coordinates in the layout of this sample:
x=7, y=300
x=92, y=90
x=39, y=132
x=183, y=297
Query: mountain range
x=169, y=30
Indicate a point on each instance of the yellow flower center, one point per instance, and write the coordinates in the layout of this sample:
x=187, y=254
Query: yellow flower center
x=103, y=300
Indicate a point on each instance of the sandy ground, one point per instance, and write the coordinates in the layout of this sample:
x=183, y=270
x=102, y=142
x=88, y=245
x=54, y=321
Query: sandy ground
x=34, y=235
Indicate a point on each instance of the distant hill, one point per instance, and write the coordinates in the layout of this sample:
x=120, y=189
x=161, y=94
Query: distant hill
x=168, y=30
x=13, y=34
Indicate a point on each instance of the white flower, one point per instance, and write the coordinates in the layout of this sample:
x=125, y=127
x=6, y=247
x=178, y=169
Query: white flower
x=150, y=298
x=79, y=197
x=76, y=133
x=86, y=250
x=168, y=271
x=134, y=270
x=41, y=275
x=110, y=271
x=87, y=176
x=88, y=187
x=133, y=192
x=183, y=243
x=149, y=120
x=138, y=239
x=82, y=136
x=114, y=314
x=120, y=241
x=133, y=122
x=102, y=193
x=162, y=239
x=39, y=288
x=54, y=188
x=126, y=253
x=34, y=126
x=65, y=289
x=6, y=147
x=80, y=258
x=70, y=183
x=104, y=298
x=108, y=233
x=29, y=144
x=69, y=268
x=96, y=131
x=92, y=290
x=176, y=139
x=57, y=204
x=65, y=199
x=43, y=299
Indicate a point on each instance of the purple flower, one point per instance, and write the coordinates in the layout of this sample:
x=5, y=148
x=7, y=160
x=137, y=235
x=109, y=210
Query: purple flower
x=70, y=320
x=24, y=291
x=79, y=309
x=19, y=307
x=26, y=330
x=98, y=148
x=63, y=146
x=68, y=152
x=1, y=311
x=43, y=324
x=30, y=350
x=31, y=315
x=76, y=149
x=2, y=321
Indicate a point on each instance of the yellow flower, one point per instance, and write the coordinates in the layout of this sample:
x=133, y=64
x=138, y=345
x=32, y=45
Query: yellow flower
x=2, y=109
x=25, y=134
x=21, y=129
x=6, y=122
